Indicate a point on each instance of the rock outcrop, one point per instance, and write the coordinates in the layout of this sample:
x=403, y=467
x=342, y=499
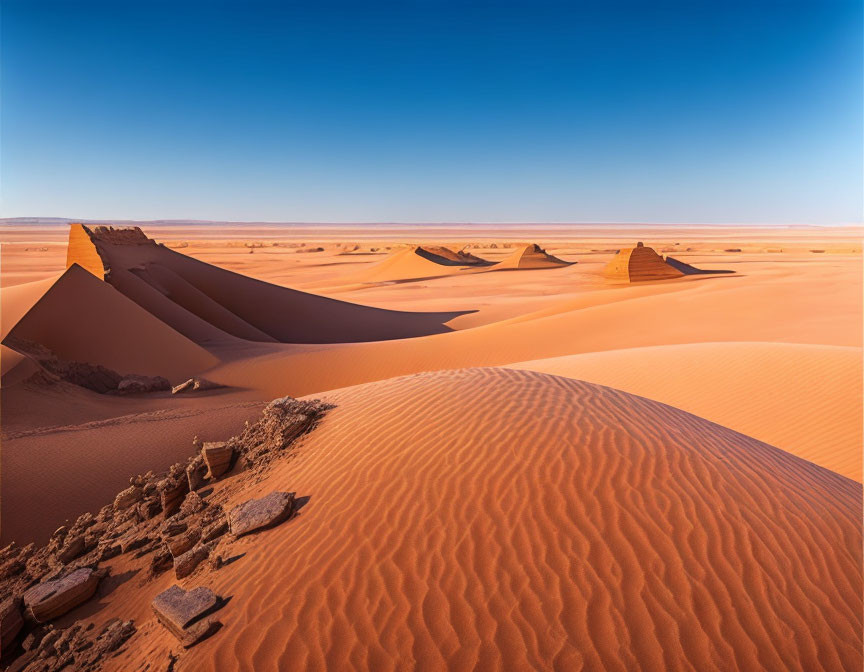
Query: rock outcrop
x=218, y=456
x=639, y=264
x=196, y=385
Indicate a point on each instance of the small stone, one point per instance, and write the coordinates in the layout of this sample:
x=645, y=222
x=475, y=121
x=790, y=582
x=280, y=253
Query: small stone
x=216, y=562
x=258, y=514
x=200, y=631
x=186, y=563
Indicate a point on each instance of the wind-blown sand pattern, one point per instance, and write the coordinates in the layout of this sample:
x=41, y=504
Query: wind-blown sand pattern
x=592, y=529
x=805, y=399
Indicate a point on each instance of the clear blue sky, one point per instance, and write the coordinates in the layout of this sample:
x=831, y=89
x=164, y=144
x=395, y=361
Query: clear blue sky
x=433, y=111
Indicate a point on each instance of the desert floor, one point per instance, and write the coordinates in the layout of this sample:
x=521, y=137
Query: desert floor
x=726, y=453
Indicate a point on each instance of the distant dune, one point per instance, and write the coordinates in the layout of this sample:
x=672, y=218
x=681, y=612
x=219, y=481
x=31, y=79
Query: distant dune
x=490, y=519
x=530, y=256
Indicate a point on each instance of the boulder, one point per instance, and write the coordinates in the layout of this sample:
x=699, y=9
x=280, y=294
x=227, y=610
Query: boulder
x=185, y=564
x=218, y=457
x=177, y=609
x=72, y=549
x=214, y=531
x=172, y=528
x=11, y=621
x=257, y=514
x=173, y=493
x=131, y=495
x=51, y=599
x=178, y=545
x=196, y=472
x=149, y=508
x=192, y=503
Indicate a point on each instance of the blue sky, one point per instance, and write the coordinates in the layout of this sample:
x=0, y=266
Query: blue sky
x=433, y=111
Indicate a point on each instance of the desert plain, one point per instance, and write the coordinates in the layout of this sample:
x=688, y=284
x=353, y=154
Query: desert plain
x=520, y=462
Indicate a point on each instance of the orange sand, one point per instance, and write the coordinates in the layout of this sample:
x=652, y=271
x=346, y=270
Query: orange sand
x=493, y=519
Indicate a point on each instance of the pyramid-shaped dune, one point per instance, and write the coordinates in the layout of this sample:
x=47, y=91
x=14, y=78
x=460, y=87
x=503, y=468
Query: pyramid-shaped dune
x=531, y=256
x=80, y=318
x=211, y=305
x=639, y=264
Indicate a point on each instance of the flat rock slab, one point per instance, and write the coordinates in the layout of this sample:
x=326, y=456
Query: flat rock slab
x=258, y=514
x=51, y=599
x=177, y=609
x=218, y=457
x=186, y=563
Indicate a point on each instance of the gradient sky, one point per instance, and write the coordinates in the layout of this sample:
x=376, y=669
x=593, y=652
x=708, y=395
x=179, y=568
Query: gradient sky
x=433, y=111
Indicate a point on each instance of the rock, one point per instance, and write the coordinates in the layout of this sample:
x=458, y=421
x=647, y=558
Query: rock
x=11, y=621
x=195, y=473
x=178, y=545
x=161, y=562
x=200, y=631
x=257, y=514
x=109, y=551
x=177, y=609
x=173, y=493
x=172, y=528
x=218, y=457
x=60, y=533
x=32, y=640
x=149, y=508
x=136, y=384
x=71, y=549
x=192, y=503
x=128, y=497
x=51, y=599
x=133, y=543
x=195, y=385
x=214, y=531
x=22, y=662
x=186, y=563
x=216, y=562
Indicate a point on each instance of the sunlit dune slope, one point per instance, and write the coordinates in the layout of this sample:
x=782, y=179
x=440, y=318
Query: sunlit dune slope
x=83, y=319
x=806, y=399
x=209, y=304
x=499, y=519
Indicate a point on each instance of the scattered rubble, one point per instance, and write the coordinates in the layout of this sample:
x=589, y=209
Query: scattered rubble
x=135, y=384
x=164, y=517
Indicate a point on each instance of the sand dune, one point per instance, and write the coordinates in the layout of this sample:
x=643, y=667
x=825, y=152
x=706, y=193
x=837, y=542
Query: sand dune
x=530, y=256
x=805, y=399
x=83, y=319
x=494, y=519
x=210, y=305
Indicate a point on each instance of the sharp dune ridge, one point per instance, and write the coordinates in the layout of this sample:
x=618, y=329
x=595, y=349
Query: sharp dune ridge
x=592, y=529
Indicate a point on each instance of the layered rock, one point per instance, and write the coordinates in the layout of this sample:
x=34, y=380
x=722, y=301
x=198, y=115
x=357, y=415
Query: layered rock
x=51, y=599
